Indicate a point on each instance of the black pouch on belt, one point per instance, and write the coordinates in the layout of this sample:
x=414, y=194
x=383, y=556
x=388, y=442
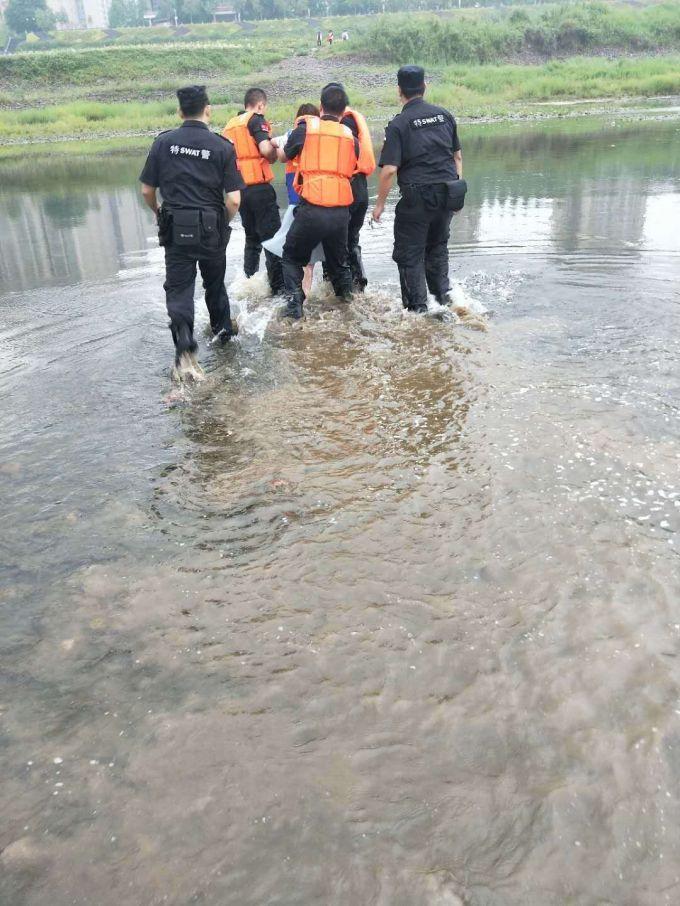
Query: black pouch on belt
x=456, y=194
x=164, y=221
x=186, y=228
x=210, y=229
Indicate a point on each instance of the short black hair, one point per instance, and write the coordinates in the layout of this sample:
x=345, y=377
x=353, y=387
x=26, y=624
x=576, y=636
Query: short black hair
x=192, y=100
x=307, y=110
x=413, y=92
x=334, y=99
x=254, y=96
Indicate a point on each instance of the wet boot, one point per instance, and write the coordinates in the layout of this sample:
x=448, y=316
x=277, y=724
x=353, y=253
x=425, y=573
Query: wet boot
x=224, y=334
x=183, y=339
x=359, y=279
x=413, y=289
x=251, y=259
x=274, y=273
x=293, y=307
x=448, y=302
x=186, y=366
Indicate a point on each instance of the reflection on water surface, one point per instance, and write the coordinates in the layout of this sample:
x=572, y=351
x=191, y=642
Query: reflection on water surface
x=386, y=611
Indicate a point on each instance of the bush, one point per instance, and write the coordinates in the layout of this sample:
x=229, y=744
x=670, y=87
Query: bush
x=560, y=30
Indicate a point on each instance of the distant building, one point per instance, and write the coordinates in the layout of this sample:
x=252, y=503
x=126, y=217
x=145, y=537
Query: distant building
x=83, y=13
x=223, y=13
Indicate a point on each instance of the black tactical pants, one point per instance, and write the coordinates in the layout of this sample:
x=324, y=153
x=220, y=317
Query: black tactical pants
x=261, y=220
x=180, y=279
x=313, y=224
x=421, y=233
x=357, y=215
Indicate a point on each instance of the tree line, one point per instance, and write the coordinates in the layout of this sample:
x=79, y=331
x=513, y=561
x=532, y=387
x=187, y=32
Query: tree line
x=23, y=16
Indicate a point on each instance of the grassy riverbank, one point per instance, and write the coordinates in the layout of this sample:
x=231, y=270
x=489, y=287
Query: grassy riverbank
x=120, y=94
x=473, y=92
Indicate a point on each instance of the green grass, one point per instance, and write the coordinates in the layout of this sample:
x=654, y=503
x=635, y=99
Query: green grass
x=125, y=88
x=128, y=65
x=482, y=36
x=471, y=91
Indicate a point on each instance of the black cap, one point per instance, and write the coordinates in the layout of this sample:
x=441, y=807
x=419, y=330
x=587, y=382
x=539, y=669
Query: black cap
x=193, y=98
x=411, y=78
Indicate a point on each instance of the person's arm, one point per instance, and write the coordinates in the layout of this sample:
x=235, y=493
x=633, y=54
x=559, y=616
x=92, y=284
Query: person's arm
x=387, y=174
x=457, y=152
x=260, y=132
x=149, y=196
x=149, y=178
x=279, y=143
x=268, y=151
x=232, y=183
x=390, y=161
x=232, y=202
x=296, y=140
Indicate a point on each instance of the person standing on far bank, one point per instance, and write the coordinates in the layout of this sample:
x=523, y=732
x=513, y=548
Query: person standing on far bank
x=422, y=149
x=195, y=170
x=251, y=135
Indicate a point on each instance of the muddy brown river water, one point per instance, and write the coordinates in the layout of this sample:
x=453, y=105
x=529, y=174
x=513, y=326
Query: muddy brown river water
x=387, y=611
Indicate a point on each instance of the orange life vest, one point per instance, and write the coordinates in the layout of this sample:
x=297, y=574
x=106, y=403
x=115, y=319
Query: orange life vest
x=254, y=168
x=366, y=162
x=326, y=164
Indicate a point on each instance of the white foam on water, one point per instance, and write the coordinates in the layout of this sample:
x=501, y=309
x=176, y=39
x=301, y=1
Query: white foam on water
x=463, y=299
x=495, y=288
x=250, y=289
x=252, y=305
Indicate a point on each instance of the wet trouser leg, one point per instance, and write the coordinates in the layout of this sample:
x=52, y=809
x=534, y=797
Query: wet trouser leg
x=213, y=269
x=261, y=220
x=357, y=215
x=312, y=224
x=251, y=254
x=180, y=279
x=437, y=254
x=336, y=253
x=410, y=236
x=421, y=232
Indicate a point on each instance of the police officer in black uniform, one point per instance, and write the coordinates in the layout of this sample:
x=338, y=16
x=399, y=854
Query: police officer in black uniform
x=195, y=170
x=422, y=149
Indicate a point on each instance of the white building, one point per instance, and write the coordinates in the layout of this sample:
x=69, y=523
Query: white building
x=83, y=13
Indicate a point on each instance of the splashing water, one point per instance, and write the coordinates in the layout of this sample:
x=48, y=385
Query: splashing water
x=252, y=304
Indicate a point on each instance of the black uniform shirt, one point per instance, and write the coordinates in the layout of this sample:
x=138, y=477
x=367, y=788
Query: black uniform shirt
x=192, y=166
x=258, y=128
x=421, y=141
x=296, y=139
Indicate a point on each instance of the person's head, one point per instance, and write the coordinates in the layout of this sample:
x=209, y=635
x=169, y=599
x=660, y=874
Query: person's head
x=334, y=99
x=307, y=110
x=411, y=81
x=255, y=99
x=193, y=103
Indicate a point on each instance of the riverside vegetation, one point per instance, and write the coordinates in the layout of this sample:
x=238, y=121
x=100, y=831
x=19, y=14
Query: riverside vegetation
x=482, y=63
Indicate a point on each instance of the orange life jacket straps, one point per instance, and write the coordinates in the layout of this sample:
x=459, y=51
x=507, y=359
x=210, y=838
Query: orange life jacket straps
x=366, y=161
x=326, y=164
x=254, y=168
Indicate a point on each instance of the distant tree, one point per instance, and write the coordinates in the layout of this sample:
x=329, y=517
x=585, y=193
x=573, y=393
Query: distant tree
x=20, y=15
x=196, y=10
x=125, y=13
x=45, y=19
